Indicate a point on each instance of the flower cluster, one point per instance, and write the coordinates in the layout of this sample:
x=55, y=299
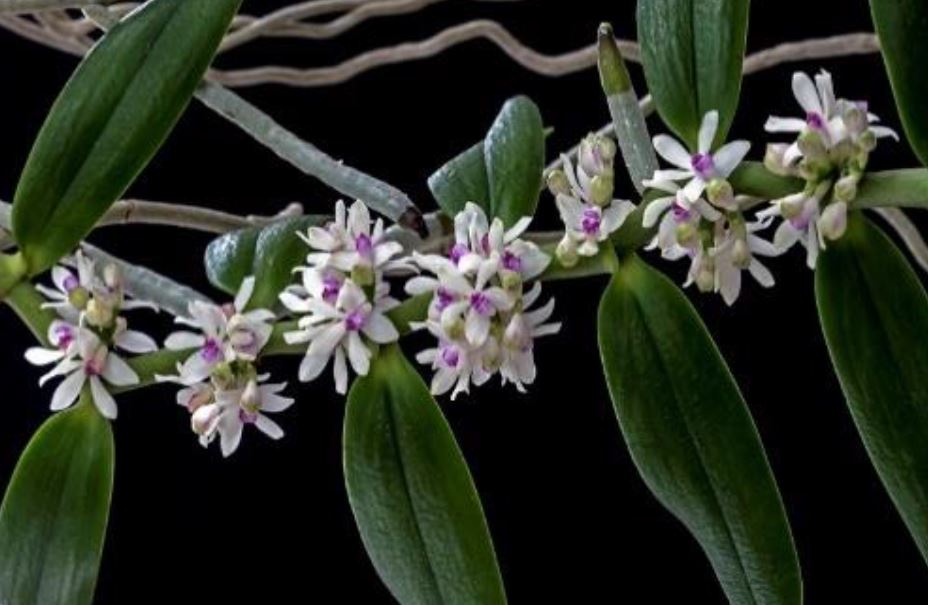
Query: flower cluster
x=480, y=312
x=835, y=139
x=703, y=219
x=88, y=333
x=222, y=389
x=343, y=299
x=584, y=199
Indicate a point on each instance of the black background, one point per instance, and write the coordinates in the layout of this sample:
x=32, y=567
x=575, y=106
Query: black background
x=572, y=521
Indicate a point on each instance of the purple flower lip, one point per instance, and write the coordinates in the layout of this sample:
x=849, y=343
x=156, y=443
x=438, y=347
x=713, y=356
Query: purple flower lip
x=64, y=336
x=330, y=287
x=511, y=261
x=680, y=214
x=70, y=283
x=211, y=351
x=247, y=417
x=485, y=243
x=450, y=356
x=590, y=222
x=457, y=252
x=354, y=321
x=444, y=297
x=815, y=120
x=481, y=303
x=703, y=165
x=363, y=245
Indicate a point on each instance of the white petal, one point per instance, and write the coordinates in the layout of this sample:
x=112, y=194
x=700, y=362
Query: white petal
x=358, y=354
x=38, y=356
x=806, y=93
x=102, y=398
x=135, y=342
x=729, y=156
x=268, y=427
x=694, y=189
x=340, y=371
x=118, y=373
x=761, y=273
x=776, y=124
x=244, y=293
x=380, y=329
x=671, y=150
x=312, y=366
x=707, y=130
x=655, y=209
x=230, y=434
x=476, y=328
x=518, y=229
x=68, y=390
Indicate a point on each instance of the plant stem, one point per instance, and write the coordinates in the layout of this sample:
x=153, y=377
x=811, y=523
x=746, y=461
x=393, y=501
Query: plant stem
x=32, y=6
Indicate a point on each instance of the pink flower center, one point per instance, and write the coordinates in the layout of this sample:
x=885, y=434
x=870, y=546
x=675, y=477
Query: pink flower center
x=444, y=297
x=512, y=261
x=354, y=321
x=363, y=245
x=481, y=303
x=450, y=356
x=815, y=120
x=591, y=221
x=703, y=165
x=457, y=252
x=330, y=287
x=211, y=350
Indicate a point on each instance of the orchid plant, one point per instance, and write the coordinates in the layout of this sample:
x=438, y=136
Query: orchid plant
x=342, y=288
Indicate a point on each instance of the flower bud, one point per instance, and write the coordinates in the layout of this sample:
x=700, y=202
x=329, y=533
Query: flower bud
x=510, y=280
x=686, y=234
x=705, y=278
x=775, y=159
x=558, y=184
x=855, y=120
x=846, y=188
x=204, y=420
x=251, y=397
x=202, y=394
x=812, y=145
x=601, y=189
x=833, y=222
x=223, y=376
x=843, y=151
x=596, y=154
x=815, y=170
x=517, y=336
x=99, y=313
x=791, y=206
x=453, y=326
x=867, y=141
x=363, y=275
x=112, y=277
x=78, y=297
x=566, y=252
x=741, y=253
x=720, y=193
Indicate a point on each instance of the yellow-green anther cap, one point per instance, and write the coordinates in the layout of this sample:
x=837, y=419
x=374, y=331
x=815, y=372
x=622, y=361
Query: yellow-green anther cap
x=612, y=71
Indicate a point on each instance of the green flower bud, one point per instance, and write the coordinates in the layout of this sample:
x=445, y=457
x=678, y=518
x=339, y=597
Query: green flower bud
x=774, y=159
x=453, y=327
x=686, y=234
x=557, y=183
x=833, y=222
x=741, y=253
x=867, y=141
x=720, y=193
x=812, y=145
x=601, y=188
x=79, y=297
x=223, y=376
x=815, y=170
x=846, y=188
x=362, y=275
x=705, y=278
x=566, y=252
x=510, y=280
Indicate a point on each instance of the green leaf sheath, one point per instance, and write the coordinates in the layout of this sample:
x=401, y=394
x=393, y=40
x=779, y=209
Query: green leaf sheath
x=502, y=173
x=901, y=27
x=113, y=114
x=411, y=492
x=691, y=435
x=54, y=514
x=514, y=152
x=269, y=253
x=692, y=51
x=462, y=179
x=874, y=314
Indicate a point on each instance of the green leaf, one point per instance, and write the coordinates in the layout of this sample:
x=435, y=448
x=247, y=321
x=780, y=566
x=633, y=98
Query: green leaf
x=874, y=314
x=53, y=518
x=463, y=179
x=113, y=114
x=901, y=26
x=692, y=51
x=269, y=253
x=411, y=492
x=514, y=152
x=691, y=436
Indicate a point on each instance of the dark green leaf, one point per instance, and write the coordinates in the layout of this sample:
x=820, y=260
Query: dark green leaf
x=412, y=494
x=901, y=26
x=691, y=436
x=53, y=518
x=874, y=313
x=463, y=179
x=514, y=152
x=113, y=114
x=692, y=51
x=269, y=253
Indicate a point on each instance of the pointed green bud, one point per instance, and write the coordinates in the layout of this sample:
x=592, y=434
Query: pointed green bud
x=566, y=252
x=362, y=275
x=833, y=222
x=601, y=189
x=720, y=193
x=705, y=278
x=79, y=297
x=867, y=141
x=613, y=74
x=815, y=170
x=774, y=159
x=741, y=253
x=812, y=145
x=686, y=234
x=846, y=188
x=557, y=183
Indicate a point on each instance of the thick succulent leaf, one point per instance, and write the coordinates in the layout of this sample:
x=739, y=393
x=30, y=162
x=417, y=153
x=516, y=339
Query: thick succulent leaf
x=692, y=51
x=901, y=26
x=691, y=436
x=514, y=152
x=113, y=114
x=463, y=179
x=411, y=492
x=54, y=514
x=269, y=253
x=874, y=314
